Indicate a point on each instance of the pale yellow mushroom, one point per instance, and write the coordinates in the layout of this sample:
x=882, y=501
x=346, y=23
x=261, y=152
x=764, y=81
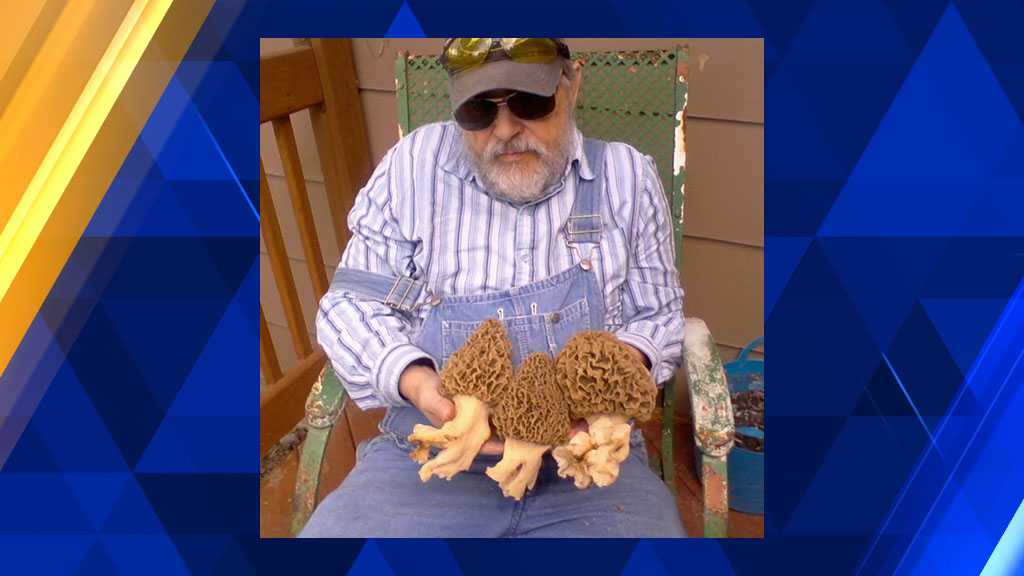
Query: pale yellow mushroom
x=570, y=459
x=475, y=378
x=609, y=436
x=460, y=439
x=605, y=382
x=517, y=471
x=532, y=417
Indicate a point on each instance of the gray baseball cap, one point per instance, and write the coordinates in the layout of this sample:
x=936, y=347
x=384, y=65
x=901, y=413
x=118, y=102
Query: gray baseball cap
x=505, y=74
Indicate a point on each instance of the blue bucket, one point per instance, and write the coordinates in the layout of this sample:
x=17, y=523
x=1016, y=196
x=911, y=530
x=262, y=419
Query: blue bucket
x=746, y=467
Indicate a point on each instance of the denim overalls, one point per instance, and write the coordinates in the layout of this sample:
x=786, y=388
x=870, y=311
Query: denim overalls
x=539, y=317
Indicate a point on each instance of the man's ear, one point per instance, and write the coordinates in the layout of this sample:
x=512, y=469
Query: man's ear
x=577, y=81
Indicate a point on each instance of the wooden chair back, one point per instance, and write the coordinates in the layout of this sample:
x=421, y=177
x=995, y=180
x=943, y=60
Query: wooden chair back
x=318, y=76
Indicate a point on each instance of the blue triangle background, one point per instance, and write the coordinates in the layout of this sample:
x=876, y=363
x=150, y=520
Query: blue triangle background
x=893, y=180
x=371, y=561
x=644, y=562
x=97, y=561
x=964, y=324
x=405, y=24
x=938, y=157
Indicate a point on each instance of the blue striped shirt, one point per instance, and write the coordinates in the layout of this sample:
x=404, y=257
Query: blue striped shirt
x=423, y=214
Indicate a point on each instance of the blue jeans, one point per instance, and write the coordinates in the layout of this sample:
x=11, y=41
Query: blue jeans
x=383, y=497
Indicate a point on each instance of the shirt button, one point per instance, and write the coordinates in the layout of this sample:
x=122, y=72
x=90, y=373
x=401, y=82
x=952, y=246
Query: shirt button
x=524, y=257
x=555, y=318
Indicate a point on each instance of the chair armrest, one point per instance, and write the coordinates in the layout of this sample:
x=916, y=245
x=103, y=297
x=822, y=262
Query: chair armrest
x=326, y=400
x=324, y=405
x=709, y=391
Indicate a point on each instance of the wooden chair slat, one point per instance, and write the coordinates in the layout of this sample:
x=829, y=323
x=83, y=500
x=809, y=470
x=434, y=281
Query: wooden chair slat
x=271, y=229
x=300, y=203
x=268, y=356
x=340, y=130
x=289, y=82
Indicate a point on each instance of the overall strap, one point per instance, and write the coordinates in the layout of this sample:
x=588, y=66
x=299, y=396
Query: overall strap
x=584, y=225
x=398, y=292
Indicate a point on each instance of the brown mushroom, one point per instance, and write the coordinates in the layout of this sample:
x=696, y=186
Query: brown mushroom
x=532, y=417
x=475, y=378
x=606, y=383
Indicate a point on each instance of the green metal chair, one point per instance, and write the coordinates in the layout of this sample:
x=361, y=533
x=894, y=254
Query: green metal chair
x=638, y=97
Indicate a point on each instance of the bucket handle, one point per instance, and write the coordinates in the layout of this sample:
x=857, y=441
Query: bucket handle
x=759, y=341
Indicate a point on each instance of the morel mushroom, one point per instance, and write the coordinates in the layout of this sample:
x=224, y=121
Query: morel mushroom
x=606, y=383
x=532, y=417
x=475, y=378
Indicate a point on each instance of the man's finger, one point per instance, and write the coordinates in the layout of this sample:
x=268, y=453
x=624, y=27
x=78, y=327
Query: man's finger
x=446, y=410
x=439, y=407
x=492, y=447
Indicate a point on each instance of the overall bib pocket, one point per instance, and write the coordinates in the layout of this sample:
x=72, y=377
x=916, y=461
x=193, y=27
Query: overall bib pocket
x=540, y=332
x=561, y=325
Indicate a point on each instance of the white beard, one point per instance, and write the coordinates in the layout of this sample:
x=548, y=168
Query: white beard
x=518, y=182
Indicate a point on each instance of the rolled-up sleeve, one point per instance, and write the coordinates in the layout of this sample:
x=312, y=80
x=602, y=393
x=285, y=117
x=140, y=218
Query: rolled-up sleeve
x=652, y=299
x=368, y=343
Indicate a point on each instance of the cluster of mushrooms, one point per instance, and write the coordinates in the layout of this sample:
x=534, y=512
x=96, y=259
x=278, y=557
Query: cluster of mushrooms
x=594, y=377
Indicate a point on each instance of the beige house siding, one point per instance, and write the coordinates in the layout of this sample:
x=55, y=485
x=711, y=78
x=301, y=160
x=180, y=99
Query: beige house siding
x=723, y=270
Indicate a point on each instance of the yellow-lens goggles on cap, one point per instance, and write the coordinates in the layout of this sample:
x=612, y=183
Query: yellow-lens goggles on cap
x=461, y=54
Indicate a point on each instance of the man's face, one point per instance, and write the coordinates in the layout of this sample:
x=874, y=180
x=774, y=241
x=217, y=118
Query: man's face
x=519, y=159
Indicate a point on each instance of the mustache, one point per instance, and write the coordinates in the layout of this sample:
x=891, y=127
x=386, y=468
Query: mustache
x=513, y=146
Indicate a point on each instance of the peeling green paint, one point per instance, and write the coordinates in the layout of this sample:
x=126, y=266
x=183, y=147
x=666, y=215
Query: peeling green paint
x=323, y=406
x=678, y=189
x=668, y=398
x=402, y=93
x=709, y=392
x=715, y=479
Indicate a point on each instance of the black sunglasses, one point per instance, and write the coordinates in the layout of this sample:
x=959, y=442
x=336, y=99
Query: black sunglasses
x=479, y=113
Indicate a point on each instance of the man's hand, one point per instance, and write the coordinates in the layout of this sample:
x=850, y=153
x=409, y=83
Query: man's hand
x=420, y=384
x=578, y=426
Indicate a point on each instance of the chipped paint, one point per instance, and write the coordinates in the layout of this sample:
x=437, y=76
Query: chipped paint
x=679, y=159
x=716, y=489
x=307, y=480
x=679, y=151
x=682, y=203
x=324, y=403
x=709, y=391
x=715, y=481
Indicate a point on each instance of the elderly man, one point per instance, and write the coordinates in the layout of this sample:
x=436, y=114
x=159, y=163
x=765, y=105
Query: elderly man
x=507, y=212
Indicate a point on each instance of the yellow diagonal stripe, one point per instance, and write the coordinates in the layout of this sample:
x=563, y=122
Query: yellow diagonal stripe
x=71, y=178
x=78, y=132
x=49, y=70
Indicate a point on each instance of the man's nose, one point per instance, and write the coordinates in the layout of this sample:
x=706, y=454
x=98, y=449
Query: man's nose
x=506, y=125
